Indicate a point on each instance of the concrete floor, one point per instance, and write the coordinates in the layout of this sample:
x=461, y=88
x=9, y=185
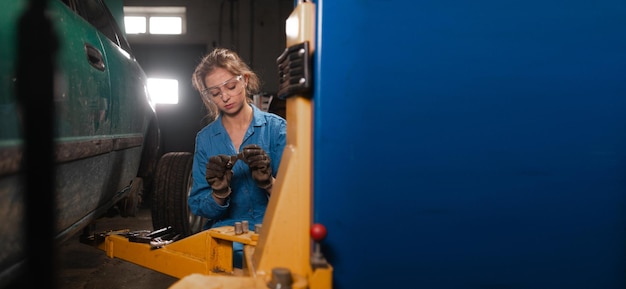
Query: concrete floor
x=86, y=267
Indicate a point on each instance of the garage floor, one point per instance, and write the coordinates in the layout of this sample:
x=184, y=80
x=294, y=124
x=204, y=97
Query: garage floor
x=86, y=267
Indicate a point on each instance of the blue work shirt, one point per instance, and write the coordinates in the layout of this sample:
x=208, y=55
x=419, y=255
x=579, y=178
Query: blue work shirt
x=247, y=201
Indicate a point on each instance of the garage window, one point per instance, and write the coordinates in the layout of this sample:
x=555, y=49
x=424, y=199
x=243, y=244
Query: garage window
x=155, y=20
x=163, y=90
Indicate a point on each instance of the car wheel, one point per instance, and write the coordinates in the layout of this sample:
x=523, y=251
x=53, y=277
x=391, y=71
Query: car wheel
x=172, y=185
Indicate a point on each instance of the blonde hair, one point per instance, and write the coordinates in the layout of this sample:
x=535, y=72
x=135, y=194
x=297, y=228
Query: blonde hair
x=230, y=61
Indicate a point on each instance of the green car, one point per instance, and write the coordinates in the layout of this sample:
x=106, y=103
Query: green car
x=106, y=140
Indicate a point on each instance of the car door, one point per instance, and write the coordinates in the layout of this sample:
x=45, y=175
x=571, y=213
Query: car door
x=82, y=84
x=128, y=112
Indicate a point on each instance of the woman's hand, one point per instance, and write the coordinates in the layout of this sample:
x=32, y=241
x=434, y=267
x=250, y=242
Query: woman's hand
x=218, y=175
x=259, y=163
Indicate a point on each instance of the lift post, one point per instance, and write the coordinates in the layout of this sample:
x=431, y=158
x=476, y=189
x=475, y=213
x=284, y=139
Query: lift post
x=277, y=256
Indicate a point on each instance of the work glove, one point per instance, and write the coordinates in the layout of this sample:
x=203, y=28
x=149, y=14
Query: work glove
x=259, y=162
x=219, y=173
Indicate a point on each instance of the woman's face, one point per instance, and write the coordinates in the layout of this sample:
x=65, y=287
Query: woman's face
x=226, y=90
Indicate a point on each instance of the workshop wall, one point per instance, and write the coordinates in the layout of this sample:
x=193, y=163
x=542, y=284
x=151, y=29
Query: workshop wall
x=255, y=29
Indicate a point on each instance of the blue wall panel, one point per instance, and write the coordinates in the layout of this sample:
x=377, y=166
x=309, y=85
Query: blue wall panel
x=465, y=144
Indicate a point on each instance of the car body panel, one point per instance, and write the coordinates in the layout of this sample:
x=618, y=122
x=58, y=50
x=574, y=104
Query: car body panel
x=102, y=113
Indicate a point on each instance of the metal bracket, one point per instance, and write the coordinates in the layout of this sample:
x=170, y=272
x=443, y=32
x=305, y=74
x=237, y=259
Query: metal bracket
x=294, y=71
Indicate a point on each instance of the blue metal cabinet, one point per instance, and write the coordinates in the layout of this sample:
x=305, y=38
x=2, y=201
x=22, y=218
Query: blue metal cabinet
x=464, y=144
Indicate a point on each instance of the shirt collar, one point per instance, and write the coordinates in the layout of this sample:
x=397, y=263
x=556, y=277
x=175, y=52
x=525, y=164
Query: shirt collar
x=257, y=120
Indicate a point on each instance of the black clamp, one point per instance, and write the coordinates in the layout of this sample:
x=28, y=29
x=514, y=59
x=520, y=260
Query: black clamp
x=295, y=71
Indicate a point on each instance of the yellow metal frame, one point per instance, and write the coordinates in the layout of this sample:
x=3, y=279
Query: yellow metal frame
x=204, y=260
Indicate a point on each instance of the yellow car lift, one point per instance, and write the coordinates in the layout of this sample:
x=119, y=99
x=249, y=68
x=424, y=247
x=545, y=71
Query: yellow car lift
x=280, y=254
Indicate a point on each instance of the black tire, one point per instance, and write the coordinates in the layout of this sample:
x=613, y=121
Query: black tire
x=172, y=185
